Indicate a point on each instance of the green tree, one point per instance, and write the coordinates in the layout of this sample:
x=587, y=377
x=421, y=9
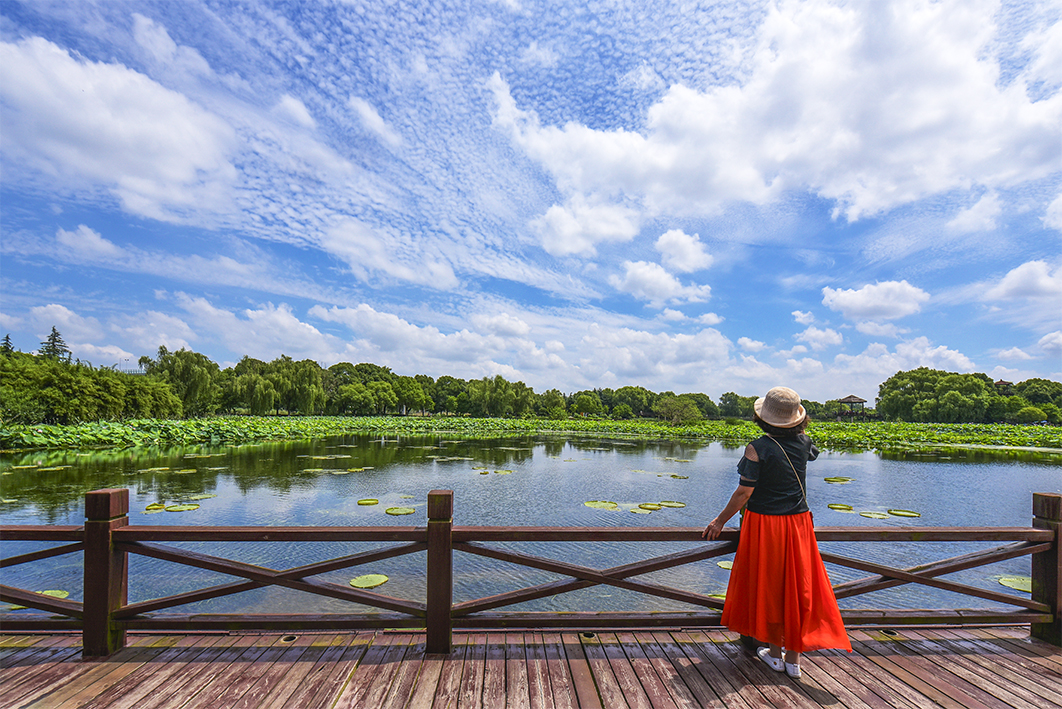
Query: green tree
x=492, y=397
x=622, y=412
x=54, y=347
x=410, y=394
x=1030, y=414
x=5, y=346
x=587, y=403
x=383, y=396
x=639, y=399
x=355, y=398
x=552, y=404
x=732, y=405
x=704, y=404
x=676, y=409
x=192, y=377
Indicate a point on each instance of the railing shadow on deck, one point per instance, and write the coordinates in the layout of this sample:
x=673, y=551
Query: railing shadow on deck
x=107, y=539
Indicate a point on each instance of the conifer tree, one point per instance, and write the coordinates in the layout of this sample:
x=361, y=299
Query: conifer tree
x=54, y=347
x=5, y=345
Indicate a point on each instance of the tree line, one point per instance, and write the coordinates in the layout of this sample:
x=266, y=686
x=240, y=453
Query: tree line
x=50, y=387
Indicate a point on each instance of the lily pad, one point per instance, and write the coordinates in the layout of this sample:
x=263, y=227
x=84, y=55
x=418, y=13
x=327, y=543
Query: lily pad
x=355, y=470
x=725, y=564
x=839, y=507
x=720, y=596
x=400, y=511
x=681, y=477
x=369, y=581
x=671, y=503
x=839, y=480
x=340, y=472
x=484, y=472
x=502, y=472
x=1018, y=583
x=8, y=502
x=641, y=511
x=904, y=513
x=874, y=515
x=651, y=506
x=406, y=497
x=602, y=505
x=368, y=501
x=156, y=506
x=182, y=508
x=54, y=593
x=203, y=496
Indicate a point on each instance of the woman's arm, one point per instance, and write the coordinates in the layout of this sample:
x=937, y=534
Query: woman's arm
x=737, y=501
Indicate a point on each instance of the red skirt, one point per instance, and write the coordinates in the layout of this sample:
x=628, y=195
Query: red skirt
x=779, y=592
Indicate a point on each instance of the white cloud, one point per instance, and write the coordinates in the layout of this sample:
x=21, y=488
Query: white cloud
x=797, y=349
x=502, y=324
x=1051, y=344
x=983, y=216
x=1014, y=354
x=72, y=327
x=86, y=242
x=871, y=105
x=877, y=362
x=151, y=329
x=876, y=329
x=650, y=282
x=537, y=55
x=803, y=318
x=1032, y=279
x=369, y=252
x=682, y=252
x=1053, y=214
x=105, y=124
x=886, y=300
x=578, y=226
x=103, y=356
x=750, y=345
x=374, y=123
x=160, y=47
x=295, y=111
x=672, y=315
x=820, y=339
x=710, y=319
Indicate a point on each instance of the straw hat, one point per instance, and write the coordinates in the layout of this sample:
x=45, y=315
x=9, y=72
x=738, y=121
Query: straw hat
x=781, y=407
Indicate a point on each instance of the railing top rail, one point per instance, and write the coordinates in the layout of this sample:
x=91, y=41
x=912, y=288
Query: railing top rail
x=464, y=533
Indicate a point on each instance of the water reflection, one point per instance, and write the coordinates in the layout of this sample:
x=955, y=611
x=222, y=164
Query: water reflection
x=519, y=481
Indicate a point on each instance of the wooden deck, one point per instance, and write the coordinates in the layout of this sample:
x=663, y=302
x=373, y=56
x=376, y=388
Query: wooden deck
x=915, y=669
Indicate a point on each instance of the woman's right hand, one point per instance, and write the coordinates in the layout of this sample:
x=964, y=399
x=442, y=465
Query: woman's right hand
x=712, y=530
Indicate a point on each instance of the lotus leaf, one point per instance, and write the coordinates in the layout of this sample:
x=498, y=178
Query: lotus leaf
x=641, y=511
x=840, y=507
x=671, y=503
x=22, y=467
x=502, y=472
x=1018, y=583
x=725, y=564
x=720, y=596
x=368, y=501
x=182, y=508
x=406, y=497
x=7, y=501
x=681, y=477
x=313, y=470
x=203, y=496
x=839, y=480
x=355, y=470
x=369, y=581
x=874, y=515
x=153, y=512
x=400, y=510
x=185, y=471
x=651, y=506
x=602, y=505
x=904, y=513
x=156, y=506
x=484, y=472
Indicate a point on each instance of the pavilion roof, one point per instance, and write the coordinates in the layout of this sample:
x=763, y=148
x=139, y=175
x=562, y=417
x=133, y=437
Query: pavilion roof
x=852, y=399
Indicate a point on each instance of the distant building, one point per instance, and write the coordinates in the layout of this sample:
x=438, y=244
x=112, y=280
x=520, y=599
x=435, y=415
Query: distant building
x=852, y=402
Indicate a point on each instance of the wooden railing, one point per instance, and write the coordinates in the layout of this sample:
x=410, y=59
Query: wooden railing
x=107, y=539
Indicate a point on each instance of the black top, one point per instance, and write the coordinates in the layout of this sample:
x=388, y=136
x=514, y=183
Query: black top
x=777, y=491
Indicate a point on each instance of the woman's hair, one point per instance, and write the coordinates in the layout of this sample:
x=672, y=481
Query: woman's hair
x=781, y=432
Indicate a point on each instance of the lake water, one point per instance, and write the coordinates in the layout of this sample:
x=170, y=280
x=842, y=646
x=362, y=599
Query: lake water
x=527, y=481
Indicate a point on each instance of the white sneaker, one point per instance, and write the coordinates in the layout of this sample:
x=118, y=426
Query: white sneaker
x=775, y=663
x=792, y=670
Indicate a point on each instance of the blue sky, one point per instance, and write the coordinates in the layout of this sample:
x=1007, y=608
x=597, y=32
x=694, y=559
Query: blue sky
x=712, y=198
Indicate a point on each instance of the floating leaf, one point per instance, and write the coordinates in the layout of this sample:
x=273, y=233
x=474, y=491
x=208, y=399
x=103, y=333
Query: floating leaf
x=8, y=502
x=22, y=467
x=484, y=472
x=186, y=471
x=725, y=564
x=502, y=472
x=671, y=503
x=640, y=511
x=874, y=515
x=651, y=506
x=602, y=505
x=54, y=593
x=369, y=581
x=153, y=512
x=355, y=470
x=904, y=513
x=839, y=480
x=156, y=506
x=368, y=501
x=340, y=472
x=1018, y=583
x=400, y=510
x=839, y=507
x=720, y=596
x=681, y=477
x=182, y=508
x=406, y=497
x=203, y=496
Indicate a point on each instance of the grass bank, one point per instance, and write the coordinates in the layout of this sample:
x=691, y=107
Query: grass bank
x=245, y=429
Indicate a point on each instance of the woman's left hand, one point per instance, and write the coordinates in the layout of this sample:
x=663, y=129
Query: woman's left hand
x=712, y=530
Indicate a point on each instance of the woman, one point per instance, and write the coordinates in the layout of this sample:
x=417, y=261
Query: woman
x=779, y=592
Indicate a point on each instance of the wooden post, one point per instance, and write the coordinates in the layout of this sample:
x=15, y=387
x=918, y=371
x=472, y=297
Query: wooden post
x=106, y=586
x=1047, y=566
x=440, y=570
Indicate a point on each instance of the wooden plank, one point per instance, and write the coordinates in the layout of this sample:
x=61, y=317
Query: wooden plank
x=407, y=673
x=470, y=689
x=516, y=690
x=659, y=678
x=199, y=673
x=42, y=554
x=42, y=533
x=423, y=694
x=540, y=694
x=47, y=670
x=148, y=533
x=319, y=676
x=297, y=671
x=693, y=534
x=932, y=686
x=332, y=681
x=276, y=662
x=961, y=661
x=731, y=689
x=227, y=687
x=375, y=691
x=871, y=676
x=376, y=661
x=494, y=672
x=614, y=683
x=77, y=690
x=998, y=656
x=695, y=683
x=778, y=689
x=583, y=680
x=820, y=672
x=560, y=676
x=447, y=690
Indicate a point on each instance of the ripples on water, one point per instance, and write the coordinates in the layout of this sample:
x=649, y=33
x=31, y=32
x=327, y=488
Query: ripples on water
x=318, y=483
